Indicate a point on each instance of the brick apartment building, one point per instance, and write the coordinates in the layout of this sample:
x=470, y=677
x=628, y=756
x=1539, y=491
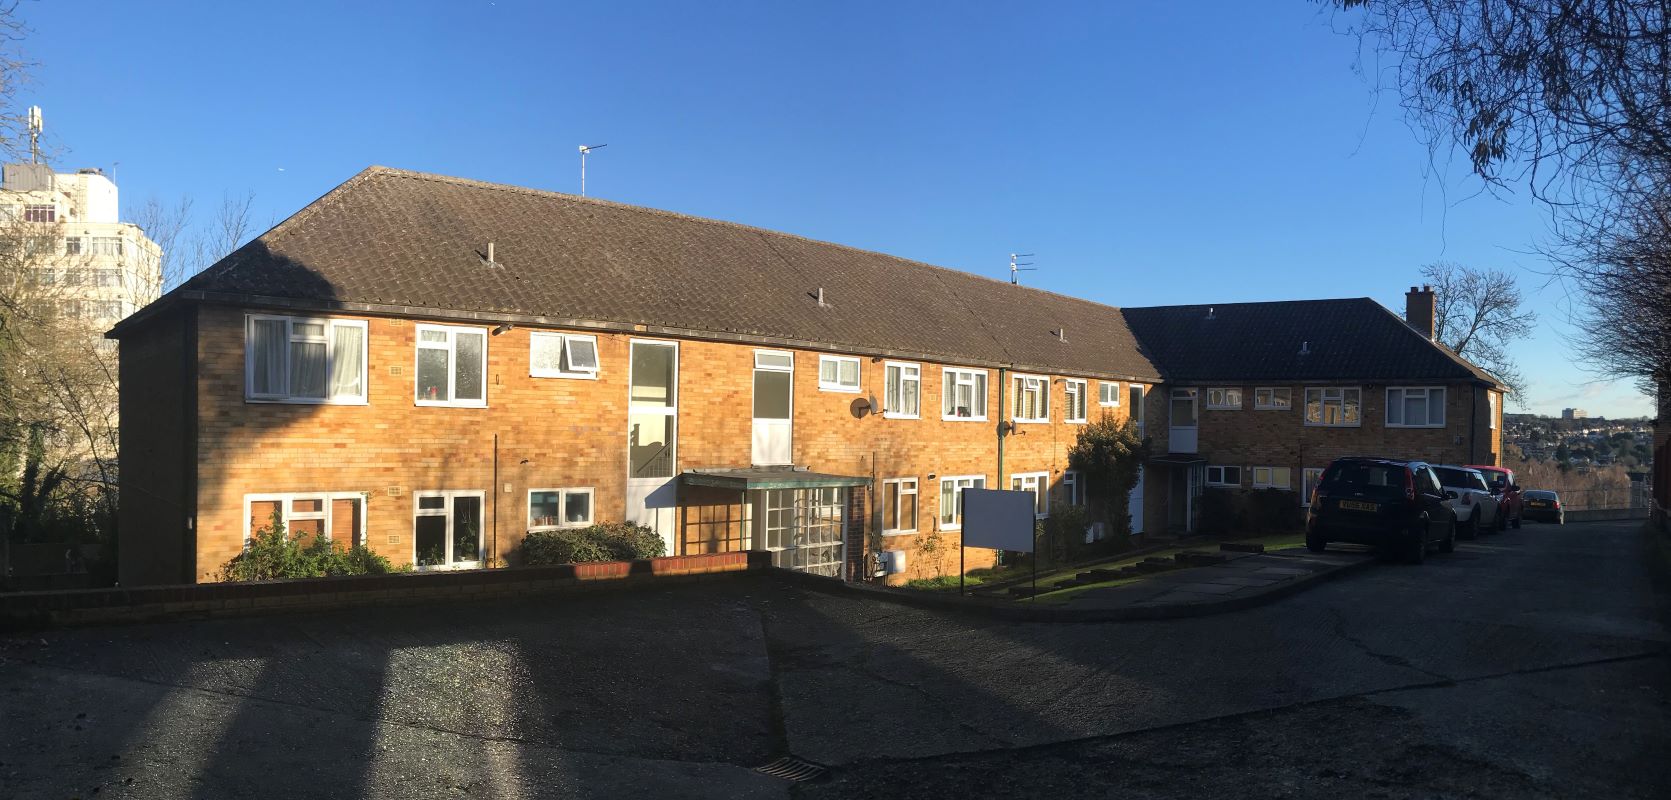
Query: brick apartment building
x=435, y=366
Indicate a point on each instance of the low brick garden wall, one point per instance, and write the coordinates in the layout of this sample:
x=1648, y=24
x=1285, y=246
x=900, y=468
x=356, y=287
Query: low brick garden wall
x=71, y=607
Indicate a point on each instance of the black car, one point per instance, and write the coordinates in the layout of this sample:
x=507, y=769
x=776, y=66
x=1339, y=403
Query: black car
x=1545, y=506
x=1397, y=506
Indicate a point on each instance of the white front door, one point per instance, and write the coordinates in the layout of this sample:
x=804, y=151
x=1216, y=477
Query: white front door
x=652, y=437
x=774, y=406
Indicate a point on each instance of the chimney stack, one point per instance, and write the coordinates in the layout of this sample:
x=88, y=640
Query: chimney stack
x=1419, y=310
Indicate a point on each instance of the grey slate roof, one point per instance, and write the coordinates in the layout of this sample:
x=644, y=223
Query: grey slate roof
x=1350, y=339
x=398, y=241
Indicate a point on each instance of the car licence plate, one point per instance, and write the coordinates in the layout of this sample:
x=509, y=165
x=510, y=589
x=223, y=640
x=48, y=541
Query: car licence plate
x=1539, y=504
x=1358, y=505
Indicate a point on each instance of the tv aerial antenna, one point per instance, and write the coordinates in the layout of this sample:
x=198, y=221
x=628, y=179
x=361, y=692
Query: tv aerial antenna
x=35, y=134
x=1017, y=266
x=584, y=149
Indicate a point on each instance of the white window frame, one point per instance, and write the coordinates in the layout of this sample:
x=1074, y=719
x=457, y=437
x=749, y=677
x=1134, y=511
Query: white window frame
x=897, y=488
x=1073, y=487
x=959, y=483
x=562, y=507
x=447, y=511
x=1021, y=382
x=284, y=499
x=452, y=331
x=1323, y=403
x=1104, y=390
x=909, y=371
x=1225, y=401
x=1039, y=484
x=1083, y=388
x=290, y=323
x=1222, y=481
x=563, y=344
x=979, y=387
x=1270, y=476
x=1428, y=396
x=1271, y=403
x=837, y=385
x=1309, y=478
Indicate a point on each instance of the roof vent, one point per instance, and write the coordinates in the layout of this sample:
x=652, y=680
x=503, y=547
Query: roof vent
x=1061, y=335
x=1210, y=314
x=1305, y=348
x=821, y=303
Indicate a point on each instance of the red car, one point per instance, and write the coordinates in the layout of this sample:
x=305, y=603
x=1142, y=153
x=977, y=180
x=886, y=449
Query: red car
x=1507, y=492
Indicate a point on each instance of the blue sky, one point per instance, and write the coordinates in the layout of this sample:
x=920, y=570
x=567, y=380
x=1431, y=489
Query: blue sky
x=1179, y=153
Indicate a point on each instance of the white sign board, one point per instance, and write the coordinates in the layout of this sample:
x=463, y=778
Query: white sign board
x=998, y=519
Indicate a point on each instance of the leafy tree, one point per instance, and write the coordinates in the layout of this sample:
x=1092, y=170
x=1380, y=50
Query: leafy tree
x=1109, y=455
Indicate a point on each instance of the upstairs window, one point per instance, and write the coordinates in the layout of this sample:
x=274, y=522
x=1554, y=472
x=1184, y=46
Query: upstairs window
x=72, y=246
x=1273, y=398
x=1422, y=407
x=963, y=393
x=1108, y=393
x=838, y=374
x=902, y=390
x=105, y=245
x=302, y=360
x=1224, y=399
x=1032, y=398
x=40, y=213
x=562, y=355
x=451, y=366
x=1076, y=400
x=1334, y=407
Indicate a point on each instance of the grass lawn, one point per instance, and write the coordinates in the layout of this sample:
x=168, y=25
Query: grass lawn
x=1272, y=542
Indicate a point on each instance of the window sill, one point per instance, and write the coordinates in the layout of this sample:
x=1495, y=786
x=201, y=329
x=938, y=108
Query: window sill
x=1429, y=427
x=1328, y=425
x=957, y=527
x=1222, y=408
x=579, y=376
x=1222, y=485
x=1108, y=405
x=437, y=404
x=1079, y=421
x=842, y=389
x=447, y=567
x=304, y=401
x=572, y=527
x=945, y=418
x=1020, y=421
x=1272, y=408
x=895, y=415
x=911, y=532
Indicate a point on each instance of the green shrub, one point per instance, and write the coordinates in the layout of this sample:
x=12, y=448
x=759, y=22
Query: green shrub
x=609, y=541
x=272, y=554
x=1219, y=510
x=1274, y=511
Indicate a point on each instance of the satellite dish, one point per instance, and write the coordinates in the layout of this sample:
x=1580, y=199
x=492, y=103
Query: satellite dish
x=863, y=406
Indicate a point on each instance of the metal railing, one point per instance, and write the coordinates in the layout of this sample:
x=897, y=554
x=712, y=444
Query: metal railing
x=1607, y=498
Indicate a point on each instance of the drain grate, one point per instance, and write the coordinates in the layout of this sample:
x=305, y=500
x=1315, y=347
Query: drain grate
x=791, y=768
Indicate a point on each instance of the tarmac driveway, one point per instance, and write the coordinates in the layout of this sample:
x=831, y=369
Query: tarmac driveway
x=1407, y=681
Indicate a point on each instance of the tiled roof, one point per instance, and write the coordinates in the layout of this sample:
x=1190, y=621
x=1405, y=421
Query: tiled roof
x=1351, y=339
x=404, y=240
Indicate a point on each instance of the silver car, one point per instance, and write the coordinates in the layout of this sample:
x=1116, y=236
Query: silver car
x=1469, y=495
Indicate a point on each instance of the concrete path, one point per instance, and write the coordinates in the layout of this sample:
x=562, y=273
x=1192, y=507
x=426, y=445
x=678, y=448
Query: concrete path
x=1242, y=577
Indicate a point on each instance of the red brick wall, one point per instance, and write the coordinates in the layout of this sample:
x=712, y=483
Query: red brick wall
x=556, y=433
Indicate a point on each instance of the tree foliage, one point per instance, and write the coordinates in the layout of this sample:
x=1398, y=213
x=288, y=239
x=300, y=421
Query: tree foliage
x=273, y=554
x=1478, y=314
x=1109, y=455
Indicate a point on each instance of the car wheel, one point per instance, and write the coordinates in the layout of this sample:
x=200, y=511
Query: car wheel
x=1471, y=528
x=1517, y=517
x=1315, y=542
x=1448, y=545
x=1502, y=520
x=1417, y=547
